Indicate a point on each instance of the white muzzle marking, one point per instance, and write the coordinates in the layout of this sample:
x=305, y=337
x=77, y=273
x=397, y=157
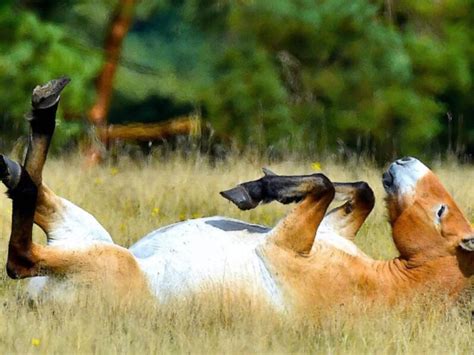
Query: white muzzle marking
x=403, y=175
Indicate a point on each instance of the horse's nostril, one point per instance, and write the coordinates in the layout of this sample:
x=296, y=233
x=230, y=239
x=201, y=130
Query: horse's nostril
x=404, y=161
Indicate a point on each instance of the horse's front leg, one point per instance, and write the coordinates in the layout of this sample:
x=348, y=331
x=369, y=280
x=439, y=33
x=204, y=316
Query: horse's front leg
x=297, y=230
x=346, y=220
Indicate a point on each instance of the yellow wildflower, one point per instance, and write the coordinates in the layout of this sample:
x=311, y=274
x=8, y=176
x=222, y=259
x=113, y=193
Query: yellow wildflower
x=114, y=171
x=196, y=215
x=155, y=212
x=316, y=166
x=35, y=342
x=122, y=227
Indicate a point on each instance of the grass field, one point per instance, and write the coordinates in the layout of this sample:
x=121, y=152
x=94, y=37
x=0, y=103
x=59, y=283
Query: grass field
x=132, y=198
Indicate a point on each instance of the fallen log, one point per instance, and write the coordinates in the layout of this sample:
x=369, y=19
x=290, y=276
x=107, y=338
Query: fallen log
x=186, y=125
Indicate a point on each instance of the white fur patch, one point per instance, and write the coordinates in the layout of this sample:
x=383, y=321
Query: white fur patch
x=406, y=174
x=76, y=228
x=326, y=234
x=190, y=256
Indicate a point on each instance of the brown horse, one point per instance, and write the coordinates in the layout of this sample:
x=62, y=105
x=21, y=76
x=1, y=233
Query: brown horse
x=308, y=259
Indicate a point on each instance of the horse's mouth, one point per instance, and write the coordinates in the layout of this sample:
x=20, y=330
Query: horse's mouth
x=387, y=180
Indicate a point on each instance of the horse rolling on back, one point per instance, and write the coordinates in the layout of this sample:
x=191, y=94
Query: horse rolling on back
x=307, y=260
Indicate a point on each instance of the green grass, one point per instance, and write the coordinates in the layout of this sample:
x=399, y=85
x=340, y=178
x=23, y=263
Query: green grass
x=132, y=198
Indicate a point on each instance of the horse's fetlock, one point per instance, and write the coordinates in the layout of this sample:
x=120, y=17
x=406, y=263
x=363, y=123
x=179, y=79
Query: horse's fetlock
x=325, y=187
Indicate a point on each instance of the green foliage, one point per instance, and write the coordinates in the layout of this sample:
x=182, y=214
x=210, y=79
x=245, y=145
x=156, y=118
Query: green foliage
x=247, y=91
x=33, y=51
x=440, y=41
x=315, y=75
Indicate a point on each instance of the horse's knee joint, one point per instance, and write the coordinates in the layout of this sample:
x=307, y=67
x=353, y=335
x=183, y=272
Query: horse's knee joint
x=325, y=187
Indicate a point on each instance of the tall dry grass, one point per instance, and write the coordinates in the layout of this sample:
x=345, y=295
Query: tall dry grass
x=132, y=198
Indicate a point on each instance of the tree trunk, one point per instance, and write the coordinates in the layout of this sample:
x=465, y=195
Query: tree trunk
x=118, y=29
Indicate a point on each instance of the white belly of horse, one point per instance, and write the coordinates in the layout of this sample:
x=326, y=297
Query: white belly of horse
x=205, y=255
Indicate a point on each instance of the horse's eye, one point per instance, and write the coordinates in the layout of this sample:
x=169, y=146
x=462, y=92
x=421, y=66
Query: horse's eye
x=442, y=209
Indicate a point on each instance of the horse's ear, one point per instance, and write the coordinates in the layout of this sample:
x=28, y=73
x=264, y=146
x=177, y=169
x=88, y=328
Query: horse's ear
x=467, y=244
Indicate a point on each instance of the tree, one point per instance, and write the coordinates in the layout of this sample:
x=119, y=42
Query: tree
x=118, y=29
x=318, y=75
x=34, y=50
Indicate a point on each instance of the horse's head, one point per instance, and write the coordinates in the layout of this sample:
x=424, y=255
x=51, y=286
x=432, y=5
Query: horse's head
x=425, y=219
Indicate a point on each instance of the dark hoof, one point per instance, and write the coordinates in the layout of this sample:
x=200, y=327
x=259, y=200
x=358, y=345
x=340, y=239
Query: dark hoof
x=47, y=95
x=240, y=197
x=10, y=172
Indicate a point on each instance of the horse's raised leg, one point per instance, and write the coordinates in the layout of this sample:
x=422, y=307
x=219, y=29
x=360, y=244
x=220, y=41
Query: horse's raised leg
x=23, y=192
x=272, y=187
x=108, y=266
x=23, y=183
x=297, y=230
x=347, y=219
x=44, y=102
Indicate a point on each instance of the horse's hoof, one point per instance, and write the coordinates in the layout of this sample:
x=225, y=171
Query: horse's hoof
x=10, y=172
x=47, y=95
x=240, y=197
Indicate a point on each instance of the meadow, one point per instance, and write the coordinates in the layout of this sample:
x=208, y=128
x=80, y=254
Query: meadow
x=132, y=197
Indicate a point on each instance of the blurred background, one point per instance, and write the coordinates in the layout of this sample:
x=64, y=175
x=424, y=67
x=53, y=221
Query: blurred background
x=380, y=78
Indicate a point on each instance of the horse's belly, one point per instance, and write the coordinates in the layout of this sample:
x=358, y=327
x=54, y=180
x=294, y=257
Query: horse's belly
x=194, y=258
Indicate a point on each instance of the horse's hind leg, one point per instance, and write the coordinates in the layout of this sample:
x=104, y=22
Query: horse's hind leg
x=23, y=183
x=347, y=219
x=42, y=119
x=61, y=220
x=48, y=205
